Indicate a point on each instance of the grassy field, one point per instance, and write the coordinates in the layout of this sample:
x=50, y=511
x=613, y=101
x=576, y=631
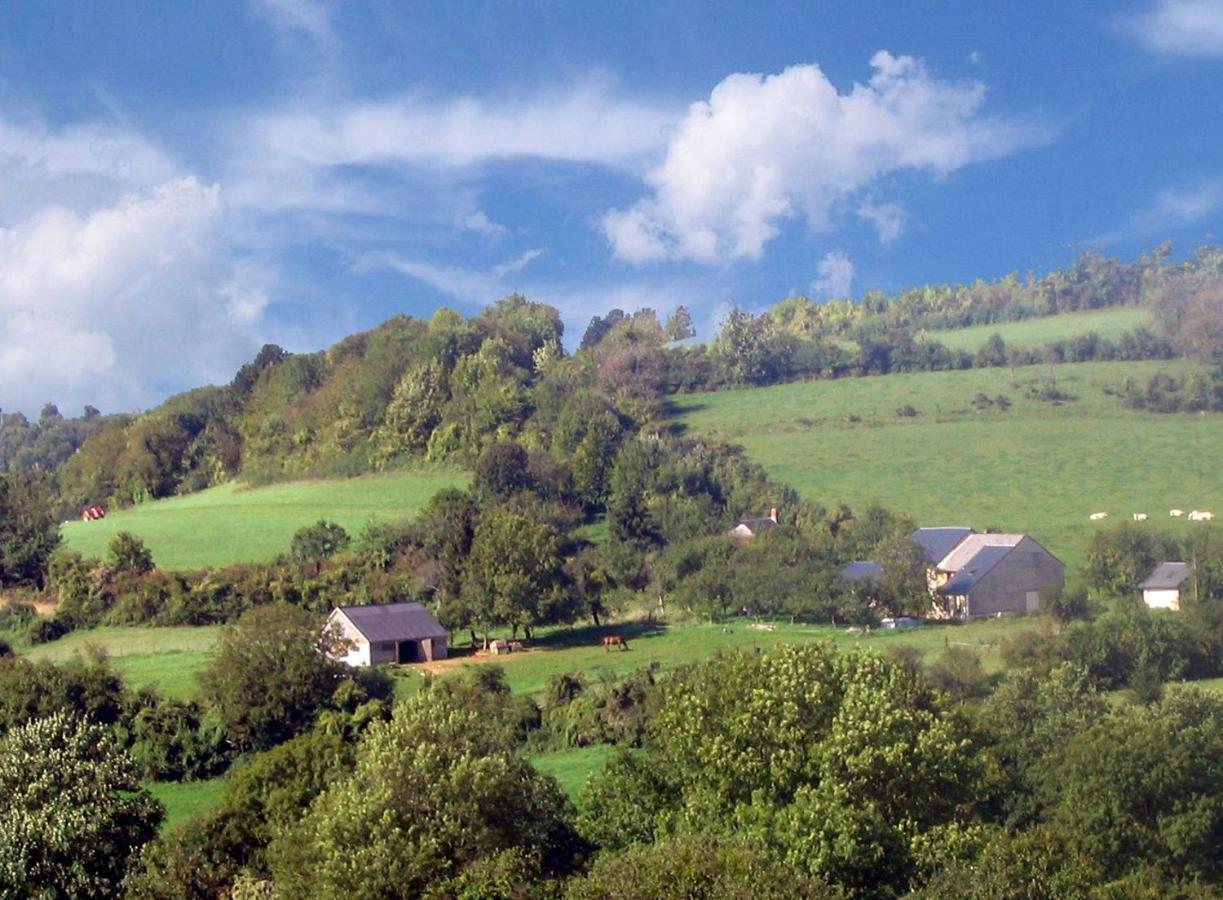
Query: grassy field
x=572, y=767
x=186, y=800
x=1108, y=323
x=1038, y=467
x=231, y=523
x=164, y=658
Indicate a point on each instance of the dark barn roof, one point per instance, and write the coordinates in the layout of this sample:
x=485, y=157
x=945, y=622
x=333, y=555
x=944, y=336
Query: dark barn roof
x=1166, y=577
x=980, y=565
x=936, y=543
x=394, y=622
x=860, y=570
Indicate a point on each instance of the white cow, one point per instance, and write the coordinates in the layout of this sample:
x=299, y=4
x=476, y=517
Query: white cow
x=1140, y=517
x=1176, y=513
x=1096, y=517
x=1201, y=515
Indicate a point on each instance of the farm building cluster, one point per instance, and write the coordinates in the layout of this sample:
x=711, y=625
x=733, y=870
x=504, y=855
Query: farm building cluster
x=973, y=574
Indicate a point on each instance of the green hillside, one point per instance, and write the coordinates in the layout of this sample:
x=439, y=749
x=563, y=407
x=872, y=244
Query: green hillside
x=1038, y=467
x=232, y=523
x=1108, y=323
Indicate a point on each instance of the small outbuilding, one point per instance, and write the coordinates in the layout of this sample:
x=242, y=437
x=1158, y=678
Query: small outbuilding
x=746, y=529
x=1162, y=589
x=388, y=633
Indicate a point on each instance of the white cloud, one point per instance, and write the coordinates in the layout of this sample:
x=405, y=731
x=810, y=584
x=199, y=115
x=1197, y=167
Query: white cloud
x=834, y=276
x=1180, y=27
x=585, y=123
x=119, y=304
x=888, y=218
x=480, y=223
x=766, y=148
x=468, y=286
x=1176, y=206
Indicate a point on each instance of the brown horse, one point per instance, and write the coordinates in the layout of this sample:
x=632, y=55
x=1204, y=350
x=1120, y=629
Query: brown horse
x=614, y=640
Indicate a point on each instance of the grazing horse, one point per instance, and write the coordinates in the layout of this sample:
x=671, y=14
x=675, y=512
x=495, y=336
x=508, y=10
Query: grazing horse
x=614, y=640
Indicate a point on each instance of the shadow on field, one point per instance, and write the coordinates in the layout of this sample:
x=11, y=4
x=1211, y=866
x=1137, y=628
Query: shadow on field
x=590, y=636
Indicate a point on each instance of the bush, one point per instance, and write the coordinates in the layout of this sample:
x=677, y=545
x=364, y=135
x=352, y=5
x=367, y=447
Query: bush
x=44, y=631
x=16, y=615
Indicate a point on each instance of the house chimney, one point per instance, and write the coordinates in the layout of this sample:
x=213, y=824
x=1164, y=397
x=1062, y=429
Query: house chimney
x=773, y=513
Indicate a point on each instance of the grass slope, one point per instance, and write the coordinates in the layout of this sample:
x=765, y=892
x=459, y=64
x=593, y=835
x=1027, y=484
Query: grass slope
x=572, y=767
x=187, y=799
x=1108, y=323
x=164, y=658
x=231, y=523
x=1038, y=467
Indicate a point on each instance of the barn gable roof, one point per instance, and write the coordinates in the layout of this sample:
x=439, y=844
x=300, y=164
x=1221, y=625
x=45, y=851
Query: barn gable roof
x=965, y=551
x=975, y=569
x=1166, y=577
x=394, y=622
x=937, y=542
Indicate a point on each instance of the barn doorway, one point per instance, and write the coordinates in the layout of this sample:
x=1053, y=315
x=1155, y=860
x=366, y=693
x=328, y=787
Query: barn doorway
x=410, y=652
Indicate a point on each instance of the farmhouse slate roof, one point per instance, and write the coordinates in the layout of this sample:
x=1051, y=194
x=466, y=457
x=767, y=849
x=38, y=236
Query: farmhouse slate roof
x=976, y=568
x=1166, y=577
x=394, y=622
x=757, y=525
x=938, y=542
x=860, y=570
x=967, y=549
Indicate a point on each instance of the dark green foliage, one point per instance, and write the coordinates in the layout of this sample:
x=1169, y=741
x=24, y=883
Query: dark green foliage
x=317, y=542
x=434, y=792
x=1145, y=786
x=75, y=813
x=1119, y=558
x=174, y=740
x=29, y=532
x=269, y=676
x=86, y=688
x=128, y=554
x=696, y=868
x=501, y=471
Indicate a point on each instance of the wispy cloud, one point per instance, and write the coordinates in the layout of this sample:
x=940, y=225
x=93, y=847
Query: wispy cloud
x=766, y=148
x=1192, y=28
x=1175, y=207
x=469, y=286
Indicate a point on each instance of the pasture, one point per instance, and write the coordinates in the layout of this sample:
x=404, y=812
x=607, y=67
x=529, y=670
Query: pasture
x=232, y=523
x=1038, y=467
x=184, y=800
x=162, y=658
x=1109, y=323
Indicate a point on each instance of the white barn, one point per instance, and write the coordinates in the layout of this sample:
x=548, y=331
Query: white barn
x=388, y=633
x=1162, y=589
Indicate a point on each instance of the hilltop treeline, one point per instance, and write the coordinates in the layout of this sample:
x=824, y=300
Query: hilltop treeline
x=441, y=390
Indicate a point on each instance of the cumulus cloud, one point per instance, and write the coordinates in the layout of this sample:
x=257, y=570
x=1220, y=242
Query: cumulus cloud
x=834, y=276
x=1175, y=207
x=1180, y=27
x=763, y=149
x=888, y=218
x=117, y=305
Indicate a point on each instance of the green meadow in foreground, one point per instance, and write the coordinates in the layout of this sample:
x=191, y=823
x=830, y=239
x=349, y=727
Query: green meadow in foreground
x=1109, y=323
x=186, y=799
x=1038, y=467
x=232, y=523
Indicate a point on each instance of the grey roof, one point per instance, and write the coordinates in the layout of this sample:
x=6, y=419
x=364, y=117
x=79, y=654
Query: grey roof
x=860, y=570
x=394, y=622
x=1166, y=576
x=938, y=542
x=966, y=551
x=976, y=568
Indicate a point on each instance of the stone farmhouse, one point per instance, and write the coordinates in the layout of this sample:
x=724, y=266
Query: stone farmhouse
x=388, y=633
x=986, y=574
x=747, y=529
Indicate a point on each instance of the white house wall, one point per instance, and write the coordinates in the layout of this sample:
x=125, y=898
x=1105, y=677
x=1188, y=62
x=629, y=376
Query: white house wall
x=1163, y=599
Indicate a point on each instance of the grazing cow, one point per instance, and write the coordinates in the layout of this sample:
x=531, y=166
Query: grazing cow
x=614, y=640
x=1201, y=515
x=1096, y=517
x=1140, y=517
x=1176, y=513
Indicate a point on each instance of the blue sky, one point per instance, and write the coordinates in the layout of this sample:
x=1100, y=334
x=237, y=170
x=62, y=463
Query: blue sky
x=180, y=183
